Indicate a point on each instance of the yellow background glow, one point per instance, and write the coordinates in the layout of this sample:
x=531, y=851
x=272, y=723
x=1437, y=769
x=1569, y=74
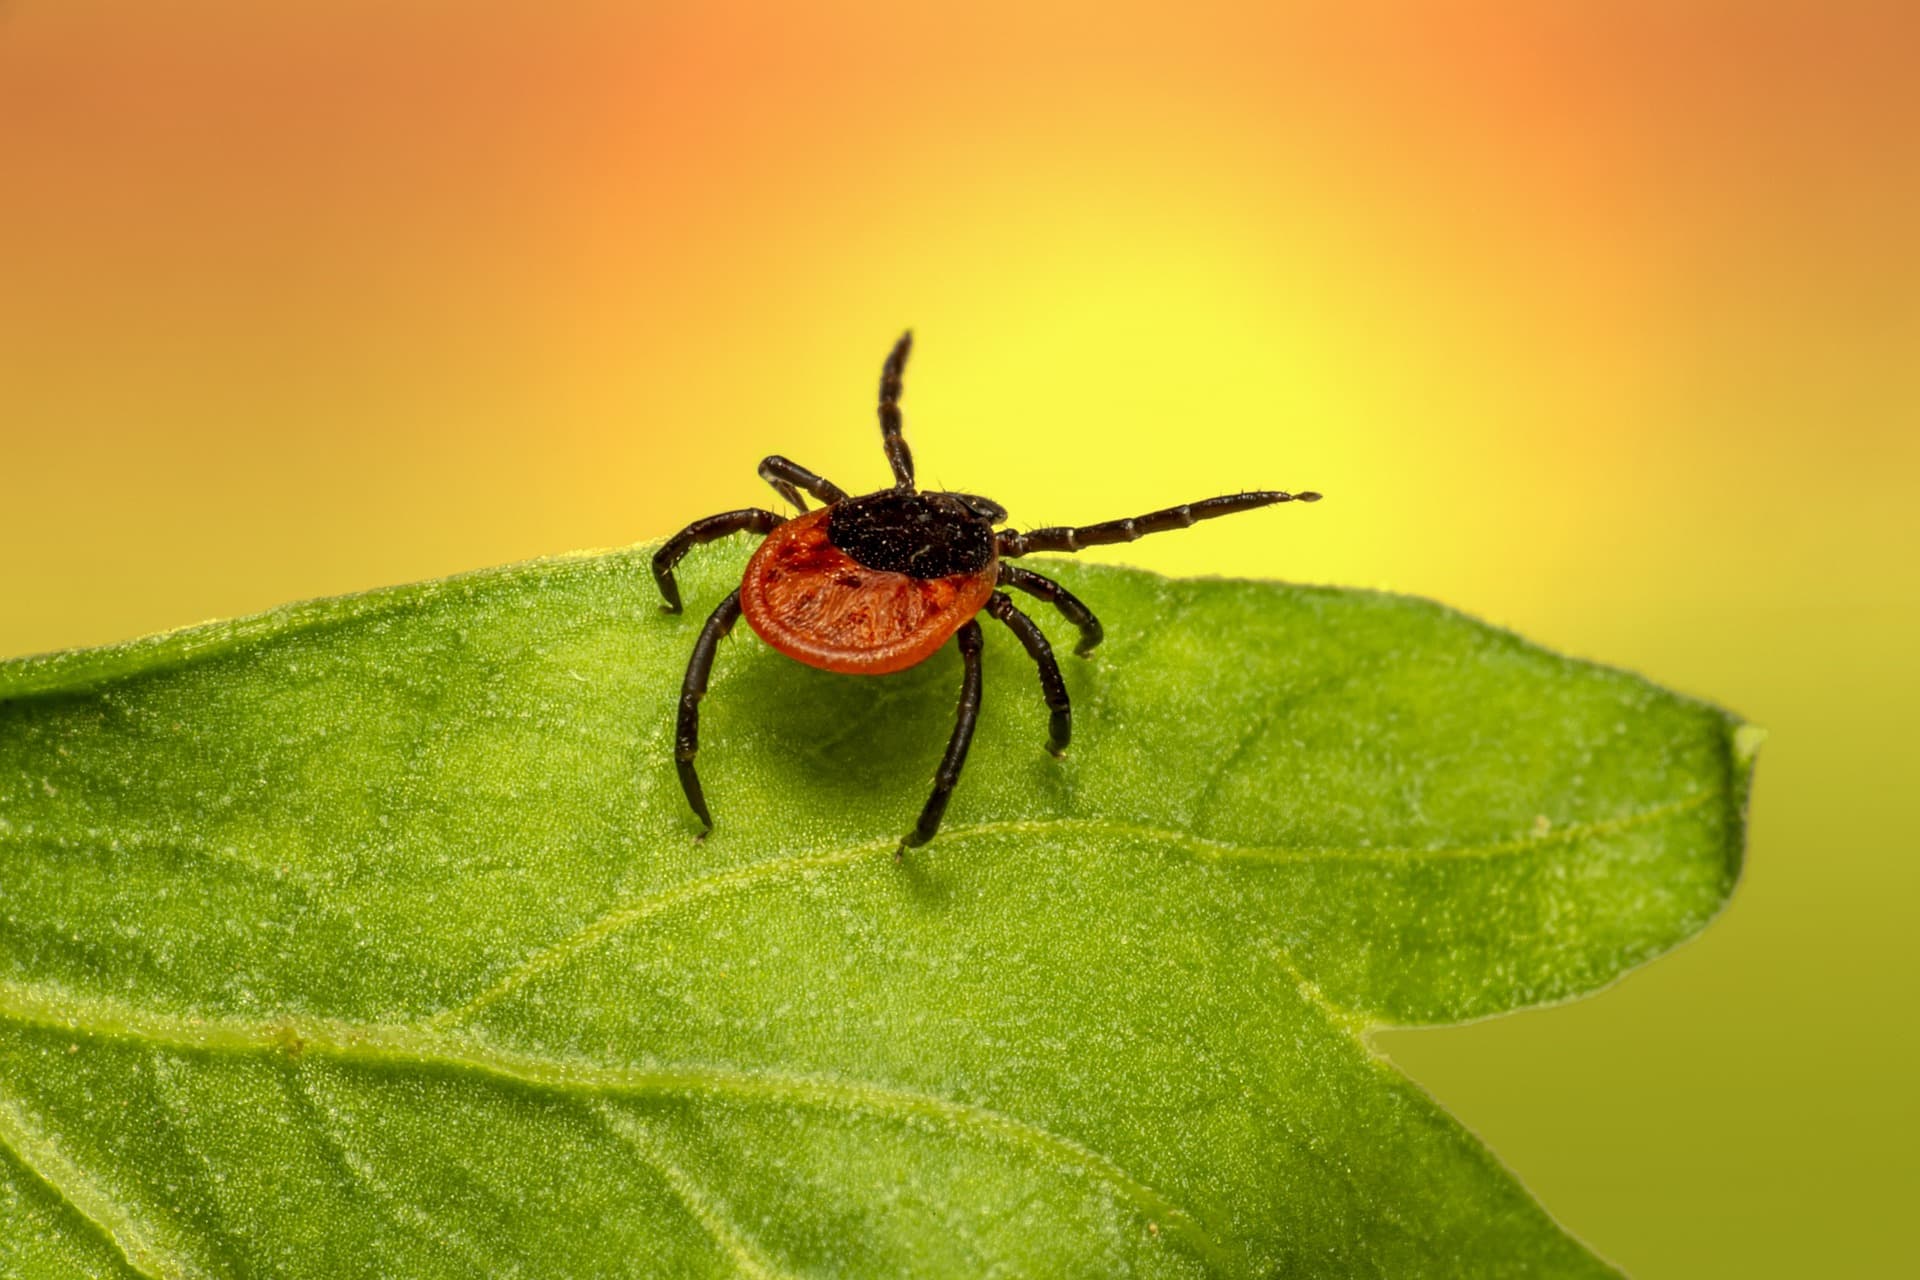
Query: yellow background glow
x=1598, y=320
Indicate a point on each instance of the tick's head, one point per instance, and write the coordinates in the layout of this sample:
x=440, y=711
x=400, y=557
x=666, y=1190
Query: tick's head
x=986, y=508
x=923, y=535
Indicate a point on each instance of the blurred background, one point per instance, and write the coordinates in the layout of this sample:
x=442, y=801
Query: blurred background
x=1600, y=321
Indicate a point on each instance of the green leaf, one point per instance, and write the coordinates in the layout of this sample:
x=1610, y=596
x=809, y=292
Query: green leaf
x=372, y=937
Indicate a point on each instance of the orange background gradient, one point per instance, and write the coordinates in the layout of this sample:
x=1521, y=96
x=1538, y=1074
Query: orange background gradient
x=1601, y=321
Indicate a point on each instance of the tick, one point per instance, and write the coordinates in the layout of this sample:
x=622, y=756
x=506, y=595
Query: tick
x=874, y=584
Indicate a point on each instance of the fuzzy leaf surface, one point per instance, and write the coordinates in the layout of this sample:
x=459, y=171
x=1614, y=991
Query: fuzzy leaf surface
x=371, y=937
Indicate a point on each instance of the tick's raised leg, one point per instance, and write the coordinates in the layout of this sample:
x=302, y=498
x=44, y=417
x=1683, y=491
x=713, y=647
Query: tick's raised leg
x=686, y=741
x=784, y=475
x=1043, y=588
x=1052, y=687
x=1067, y=538
x=898, y=455
x=949, y=772
x=751, y=519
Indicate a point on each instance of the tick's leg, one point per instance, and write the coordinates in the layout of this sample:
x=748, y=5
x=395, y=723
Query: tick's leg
x=1012, y=575
x=1052, y=687
x=784, y=475
x=751, y=519
x=686, y=738
x=898, y=455
x=1066, y=538
x=957, y=745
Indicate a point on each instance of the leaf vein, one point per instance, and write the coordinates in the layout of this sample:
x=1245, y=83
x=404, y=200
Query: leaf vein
x=66, y=1179
x=1354, y=1024
x=1202, y=847
x=730, y=1240
x=401, y=1212
x=389, y=1045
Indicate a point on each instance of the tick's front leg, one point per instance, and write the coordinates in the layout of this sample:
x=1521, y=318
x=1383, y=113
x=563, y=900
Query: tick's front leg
x=705, y=530
x=687, y=736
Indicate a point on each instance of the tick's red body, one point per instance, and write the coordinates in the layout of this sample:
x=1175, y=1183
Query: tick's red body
x=817, y=604
x=874, y=584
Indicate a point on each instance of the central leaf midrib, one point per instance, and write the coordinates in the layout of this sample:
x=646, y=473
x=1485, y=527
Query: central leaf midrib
x=402, y=1046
